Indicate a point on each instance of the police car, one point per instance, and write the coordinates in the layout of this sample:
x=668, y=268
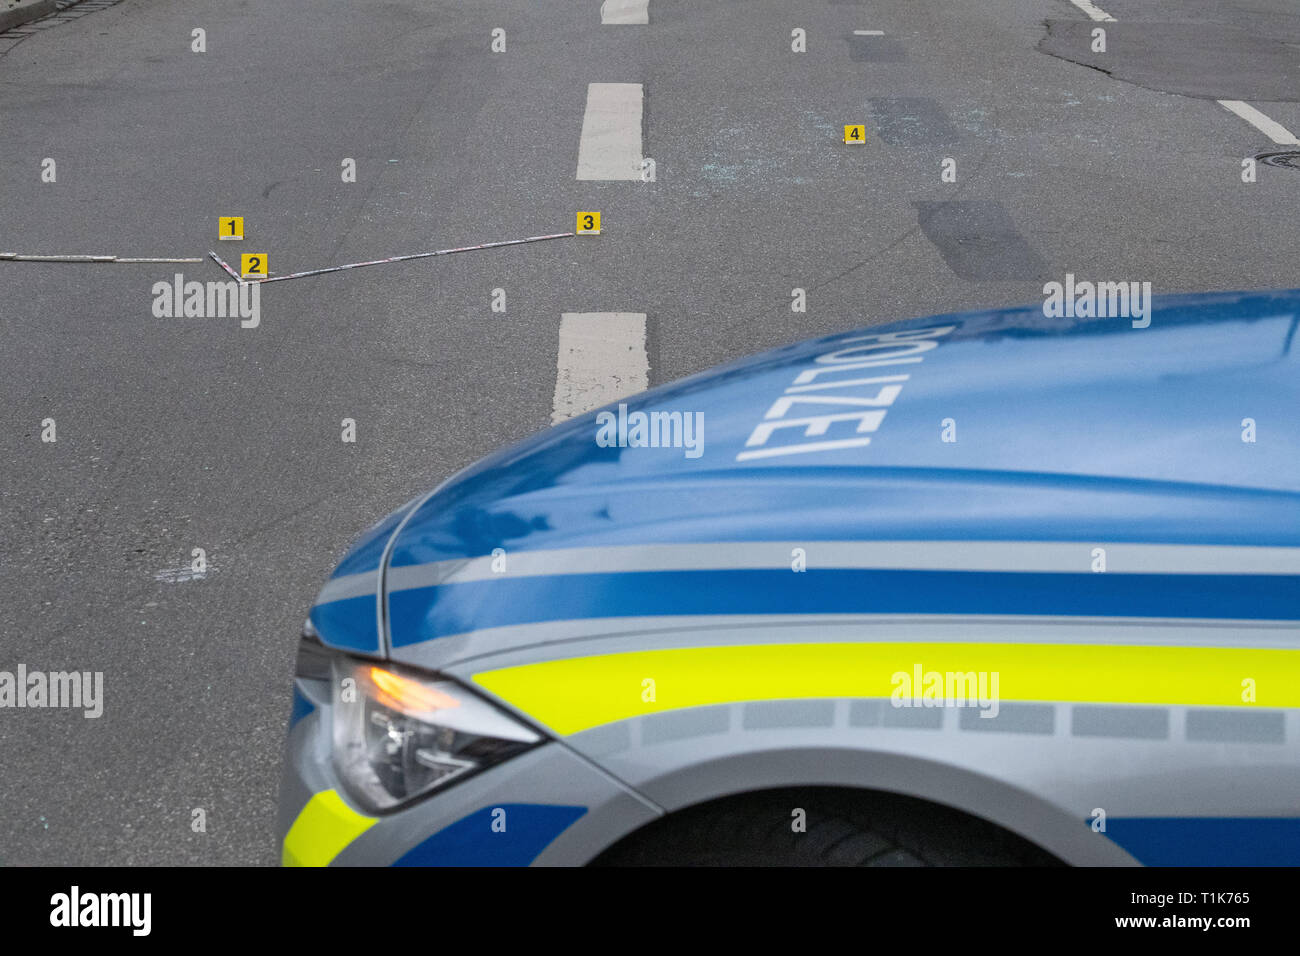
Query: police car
x=990, y=588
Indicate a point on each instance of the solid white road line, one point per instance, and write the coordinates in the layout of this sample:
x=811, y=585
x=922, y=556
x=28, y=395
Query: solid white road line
x=601, y=359
x=610, y=147
x=1094, y=11
x=1270, y=128
x=625, y=11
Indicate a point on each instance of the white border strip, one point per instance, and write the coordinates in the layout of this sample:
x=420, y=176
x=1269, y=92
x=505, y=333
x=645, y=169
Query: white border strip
x=463, y=654
x=364, y=584
x=1011, y=556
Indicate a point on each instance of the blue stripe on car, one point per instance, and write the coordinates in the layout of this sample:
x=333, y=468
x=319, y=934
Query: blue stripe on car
x=301, y=706
x=521, y=832
x=1208, y=841
x=350, y=624
x=419, y=614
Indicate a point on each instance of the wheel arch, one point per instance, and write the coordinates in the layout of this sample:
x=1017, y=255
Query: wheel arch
x=1010, y=808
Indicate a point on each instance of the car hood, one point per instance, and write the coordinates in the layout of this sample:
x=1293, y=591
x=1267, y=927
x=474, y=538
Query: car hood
x=994, y=426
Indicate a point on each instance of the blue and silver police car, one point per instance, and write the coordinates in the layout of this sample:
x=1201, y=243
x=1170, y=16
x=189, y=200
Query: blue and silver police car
x=989, y=588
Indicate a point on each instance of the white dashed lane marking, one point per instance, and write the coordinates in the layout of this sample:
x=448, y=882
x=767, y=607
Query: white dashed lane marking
x=625, y=11
x=1270, y=128
x=868, y=33
x=610, y=148
x=1094, y=11
x=602, y=358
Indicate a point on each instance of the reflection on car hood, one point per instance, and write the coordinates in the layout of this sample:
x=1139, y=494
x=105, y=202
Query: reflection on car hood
x=1042, y=411
x=1002, y=425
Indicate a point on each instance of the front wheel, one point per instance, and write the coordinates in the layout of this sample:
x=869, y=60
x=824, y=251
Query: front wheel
x=822, y=826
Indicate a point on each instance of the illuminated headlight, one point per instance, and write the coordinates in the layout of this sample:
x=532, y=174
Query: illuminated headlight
x=399, y=735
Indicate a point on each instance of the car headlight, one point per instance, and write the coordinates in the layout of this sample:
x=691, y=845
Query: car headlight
x=399, y=734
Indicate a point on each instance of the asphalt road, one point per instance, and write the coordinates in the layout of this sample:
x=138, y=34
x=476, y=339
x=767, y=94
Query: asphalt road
x=187, y=432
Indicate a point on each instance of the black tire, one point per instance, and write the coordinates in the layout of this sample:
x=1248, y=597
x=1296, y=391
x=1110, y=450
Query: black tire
x=843, y=827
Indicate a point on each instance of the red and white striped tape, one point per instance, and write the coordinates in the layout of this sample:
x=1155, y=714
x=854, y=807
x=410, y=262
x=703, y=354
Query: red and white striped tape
x=20, y=257
x=375, y=262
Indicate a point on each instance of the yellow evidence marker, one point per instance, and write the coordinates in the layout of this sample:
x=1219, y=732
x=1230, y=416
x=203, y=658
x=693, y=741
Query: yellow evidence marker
x=855, y=135
x=253, y=266
x=588, y=224
x=230, y=227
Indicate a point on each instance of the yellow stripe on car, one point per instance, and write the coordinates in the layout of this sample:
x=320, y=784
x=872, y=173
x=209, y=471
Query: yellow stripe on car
x=324, y=827
x=578, y=693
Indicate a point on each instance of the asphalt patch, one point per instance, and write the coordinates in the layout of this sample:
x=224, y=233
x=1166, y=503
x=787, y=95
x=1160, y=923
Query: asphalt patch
x=863, y=49
x=978, y=241
x=911, y=121
x=1205, y=60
